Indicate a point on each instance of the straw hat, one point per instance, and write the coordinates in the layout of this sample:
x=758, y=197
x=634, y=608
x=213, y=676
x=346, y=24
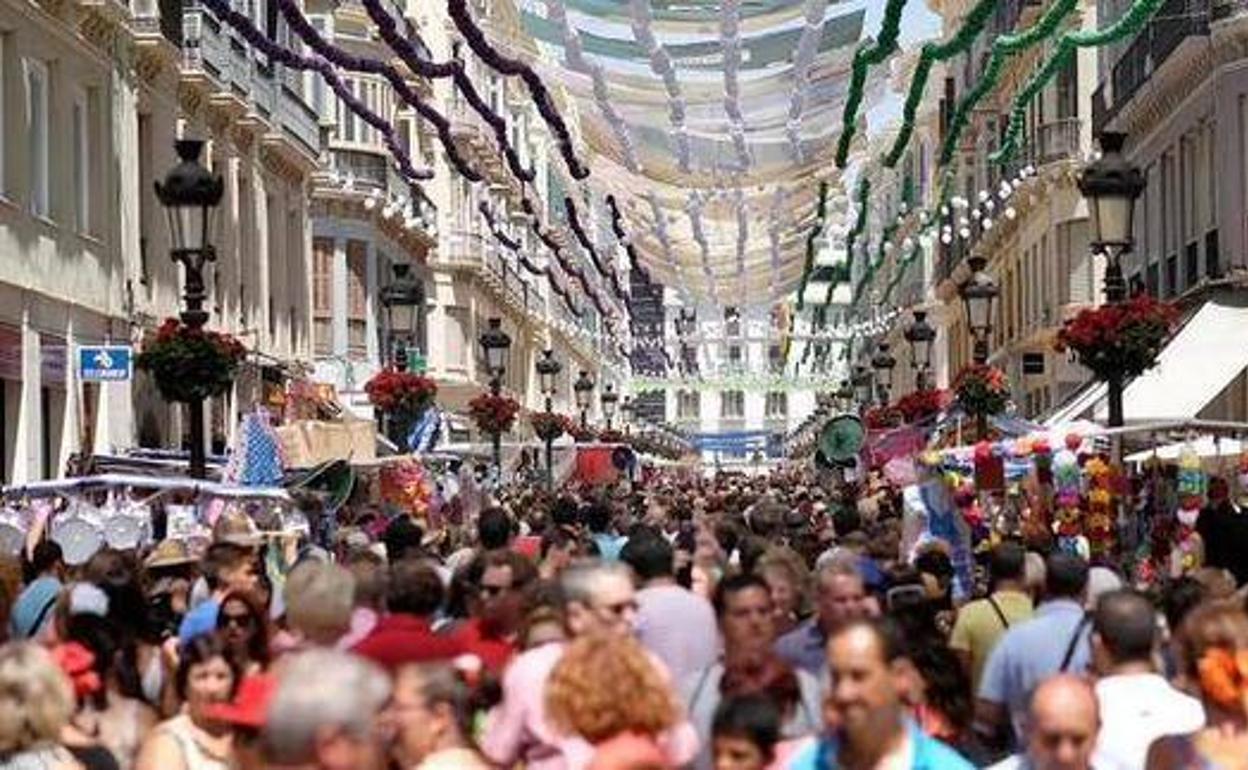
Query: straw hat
x=236, y=527
x=168, y=553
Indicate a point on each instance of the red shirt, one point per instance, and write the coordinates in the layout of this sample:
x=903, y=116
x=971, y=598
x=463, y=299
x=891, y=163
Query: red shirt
x=494, y=651
x=398, y=639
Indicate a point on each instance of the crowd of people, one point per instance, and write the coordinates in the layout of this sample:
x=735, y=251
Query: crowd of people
x=722, y=623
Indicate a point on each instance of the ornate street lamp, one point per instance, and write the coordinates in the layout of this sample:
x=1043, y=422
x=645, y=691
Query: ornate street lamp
x=920, y=335
x=548, y=368
x=845, y=394
x=1111, y=186
x=628, y=409
x=863, y=385
x=402, y=298
x=883, y=362
x=609, y=400
x=979, y=293
x=495, y=342
x=190, y=195
x=584, y=390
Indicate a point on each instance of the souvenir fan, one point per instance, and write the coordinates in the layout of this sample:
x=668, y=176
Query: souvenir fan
x=14, y=522
x=1067, y=525
x=258, y=457
x=79, y=531
x=127, y=523
x=1099, y=523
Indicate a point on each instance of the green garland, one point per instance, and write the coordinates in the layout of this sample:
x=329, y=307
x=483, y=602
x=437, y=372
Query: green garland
x=872, y=267
x=1129, y=24
x=821, y=215
x=915, y=252
x=864, y=58
x=929, y=55
x=1002, y=48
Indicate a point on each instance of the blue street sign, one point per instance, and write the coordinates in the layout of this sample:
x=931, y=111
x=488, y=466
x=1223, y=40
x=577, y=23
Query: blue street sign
x=111, y=363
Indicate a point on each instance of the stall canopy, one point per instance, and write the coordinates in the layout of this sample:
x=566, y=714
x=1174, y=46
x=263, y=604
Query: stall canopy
x=1197, y=364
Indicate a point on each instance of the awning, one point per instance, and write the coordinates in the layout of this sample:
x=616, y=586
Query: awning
x=1203, y=446
x=1195, y=366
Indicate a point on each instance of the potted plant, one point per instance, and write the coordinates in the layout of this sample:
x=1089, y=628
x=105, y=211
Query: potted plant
x=547, y=426
x=922, y=404
x=190, y=364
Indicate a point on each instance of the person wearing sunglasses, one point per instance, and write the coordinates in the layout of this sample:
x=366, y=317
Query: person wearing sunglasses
x=598, y=599
x=242, y=626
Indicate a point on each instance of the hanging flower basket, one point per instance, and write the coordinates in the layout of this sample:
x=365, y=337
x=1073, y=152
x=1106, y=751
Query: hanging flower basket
x=493, y=414
x=580, y=434
x=401, y=393
x=922, y=404
x=883, y=417
x=610, y=436
x=1119, y=339
x=981, y=389
x=190, y=364
x=547, y=426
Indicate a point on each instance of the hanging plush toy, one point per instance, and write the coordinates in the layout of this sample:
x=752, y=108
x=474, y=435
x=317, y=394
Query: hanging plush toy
x=1067, y=525
x=1099, y=523
x=1188, y=553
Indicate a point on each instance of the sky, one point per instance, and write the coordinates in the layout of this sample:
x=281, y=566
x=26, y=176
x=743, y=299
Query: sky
x=918, y=25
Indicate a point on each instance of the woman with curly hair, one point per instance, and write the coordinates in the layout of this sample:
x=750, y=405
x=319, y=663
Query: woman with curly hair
x=604, y=688
x=789, y=581
x=36, y=703
x=1213, y=651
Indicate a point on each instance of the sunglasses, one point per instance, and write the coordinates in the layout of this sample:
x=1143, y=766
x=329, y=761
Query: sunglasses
x=492, y=591
x=239, y=621
x=619, y=608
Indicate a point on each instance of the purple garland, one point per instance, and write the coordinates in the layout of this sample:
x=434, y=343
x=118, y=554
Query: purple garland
x=388, y=29
x=289, y=58
x=460, y=15
x=574, y=220
x=306, y=32
x=525, y=262
x=617, y=226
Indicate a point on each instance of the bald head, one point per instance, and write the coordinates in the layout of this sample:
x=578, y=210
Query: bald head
x=1062, y=724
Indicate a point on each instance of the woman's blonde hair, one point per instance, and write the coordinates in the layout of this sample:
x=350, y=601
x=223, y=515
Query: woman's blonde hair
x=36, y=699
x=607, y=685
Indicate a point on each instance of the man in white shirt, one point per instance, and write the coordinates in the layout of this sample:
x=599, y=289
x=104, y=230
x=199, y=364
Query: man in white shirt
x=1137, y=704
x=1062, y=723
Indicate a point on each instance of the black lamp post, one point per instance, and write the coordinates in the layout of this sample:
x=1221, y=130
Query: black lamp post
x=883, y=362
x=920, y=335
x=548, y=369
x=402, y=298
x=979, y=293
x=584, y=390
x=495, y=342
x=627, y=409
x=609, y=400
x=190, y=195
x=1111, y=186
x=845, y=394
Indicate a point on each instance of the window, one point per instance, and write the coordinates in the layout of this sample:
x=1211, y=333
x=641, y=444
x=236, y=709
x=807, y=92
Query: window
x=357, y=297
x=1211, y=254
x=81, y=153
x=322, y=295
x=688, y=405
x=457, y=337
x=37, y=135
x=777, y=405
x=1191, y=264
x=732, y=405
x=1172, y=275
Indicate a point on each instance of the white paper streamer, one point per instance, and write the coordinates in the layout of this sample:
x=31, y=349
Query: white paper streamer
x=661, y=65
x=730, y=34
x=807, y=47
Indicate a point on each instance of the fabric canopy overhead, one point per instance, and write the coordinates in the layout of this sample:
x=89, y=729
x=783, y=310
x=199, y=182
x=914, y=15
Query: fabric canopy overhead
x=712, y=124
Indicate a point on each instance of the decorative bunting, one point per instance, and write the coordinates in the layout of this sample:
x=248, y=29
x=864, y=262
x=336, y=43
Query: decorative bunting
x=865, y=58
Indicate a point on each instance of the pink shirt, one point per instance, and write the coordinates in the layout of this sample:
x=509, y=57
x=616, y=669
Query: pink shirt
x=517, y=731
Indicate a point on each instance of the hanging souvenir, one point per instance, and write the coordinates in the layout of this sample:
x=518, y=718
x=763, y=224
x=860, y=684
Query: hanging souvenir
x=1067, y=525
x=1099, y=522
x=1188, y=554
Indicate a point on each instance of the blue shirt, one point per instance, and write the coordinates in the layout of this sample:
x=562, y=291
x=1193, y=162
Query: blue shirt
x=803, y=647
x=609, y=546
x=928, y=753
x=200, y=620
x=1031, y=652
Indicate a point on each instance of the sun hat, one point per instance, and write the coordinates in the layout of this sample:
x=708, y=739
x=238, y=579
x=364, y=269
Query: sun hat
x=169, y=553
x=236, y=527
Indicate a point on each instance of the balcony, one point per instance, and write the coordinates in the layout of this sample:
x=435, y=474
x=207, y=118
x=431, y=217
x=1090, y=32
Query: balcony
x=1058, y=140
x=369, y=170
x=1173, y=23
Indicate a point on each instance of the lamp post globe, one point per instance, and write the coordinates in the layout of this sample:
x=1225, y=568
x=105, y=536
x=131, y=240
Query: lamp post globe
x=979, y=293
x=883, y=362
x=920, y=334
x=402, y=299
x=190, y=194
x=584, y=390
x=495, y=343
x=609, y=401
x=548, y=368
